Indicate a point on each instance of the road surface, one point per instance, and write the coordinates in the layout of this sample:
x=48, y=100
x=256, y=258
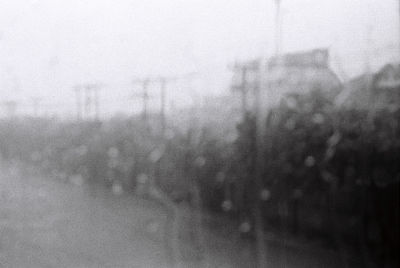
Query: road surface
x=47, y=223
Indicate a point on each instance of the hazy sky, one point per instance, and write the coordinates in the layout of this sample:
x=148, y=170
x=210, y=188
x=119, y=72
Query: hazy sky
x=48, y=46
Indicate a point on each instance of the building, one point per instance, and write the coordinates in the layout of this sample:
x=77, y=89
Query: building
x=302, y=72
x=376, y=90
x=298, y=72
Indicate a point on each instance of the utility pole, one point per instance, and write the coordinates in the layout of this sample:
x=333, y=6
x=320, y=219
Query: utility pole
x=87, y=101
x=368, y=44
x=262, y=140
x=163, y=82
x=94, y=91
x=243, y=70
x=144, y=95
x=145, y=99
x=257, y=87
x=163, y=85
x=97, y=103
x=278, y=27
x=367, y=59
x=260, y=116
x=242, y=88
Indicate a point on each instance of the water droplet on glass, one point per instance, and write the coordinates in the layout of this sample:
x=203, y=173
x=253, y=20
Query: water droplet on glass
x=265, y=194
x=36, y=156
x=152, y=226
x=113, y=152
x=76, y=179
x=155, y=155
x=290, y=124
x=318, y=118
x=245, y=227
x=297, y=193
x=220, y=177
x=227, y=205
x=117, y=188
x=200, y=161
x=169, y=134
x=142, y=178
x=309, y=161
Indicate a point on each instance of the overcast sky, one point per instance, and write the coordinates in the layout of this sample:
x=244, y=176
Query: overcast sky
x=48, y=46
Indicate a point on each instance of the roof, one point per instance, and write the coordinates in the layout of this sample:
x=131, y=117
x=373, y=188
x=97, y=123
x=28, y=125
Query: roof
x=316, y=58
x=365, y=89
x=388, y=76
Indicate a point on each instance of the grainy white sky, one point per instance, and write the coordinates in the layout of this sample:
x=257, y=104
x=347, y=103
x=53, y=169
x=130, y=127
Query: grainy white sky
x=47, y=46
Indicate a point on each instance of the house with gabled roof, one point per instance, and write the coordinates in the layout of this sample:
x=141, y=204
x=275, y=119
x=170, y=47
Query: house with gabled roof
x=289, y=73
x=375, y=90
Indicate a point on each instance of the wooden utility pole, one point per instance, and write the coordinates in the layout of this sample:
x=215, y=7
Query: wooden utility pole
x=244, y=89
x=261, y=107
x=96, y=102
x=163, y=85
x=163, y=82
x=260, y=115
x=94, y=91
x=278, y=27
x=144, y=95
x=87, y=101
x=243, y=70
x=145, y=99
x=257, y=87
